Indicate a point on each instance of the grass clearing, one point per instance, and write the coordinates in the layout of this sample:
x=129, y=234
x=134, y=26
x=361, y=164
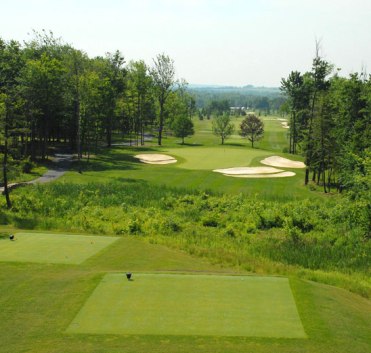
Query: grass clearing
x=38, y=303
x=52, y=248
x=198, y=305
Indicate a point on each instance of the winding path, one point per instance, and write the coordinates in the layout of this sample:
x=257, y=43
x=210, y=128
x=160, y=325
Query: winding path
x=61, y=163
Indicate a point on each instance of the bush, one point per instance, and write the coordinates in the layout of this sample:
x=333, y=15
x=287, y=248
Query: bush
x=210, y=221
x=27, y=165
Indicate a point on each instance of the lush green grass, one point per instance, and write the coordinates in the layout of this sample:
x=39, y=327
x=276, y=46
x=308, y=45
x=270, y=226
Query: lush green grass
x=52, y=248
x=38, y=303
x=202, y=153
x=194, y=171
x=209, y=158
x=197, y=305
x=269, y=228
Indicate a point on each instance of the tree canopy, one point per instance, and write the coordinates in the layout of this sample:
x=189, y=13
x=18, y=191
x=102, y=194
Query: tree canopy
x=252, y=128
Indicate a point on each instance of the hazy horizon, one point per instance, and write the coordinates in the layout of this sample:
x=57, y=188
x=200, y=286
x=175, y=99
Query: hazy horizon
x=219, y=42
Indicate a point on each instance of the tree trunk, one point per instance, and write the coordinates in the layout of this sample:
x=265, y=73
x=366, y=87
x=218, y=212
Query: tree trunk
x=78, y=137
x=109, y=131
x=5, y=161
x=162, y=102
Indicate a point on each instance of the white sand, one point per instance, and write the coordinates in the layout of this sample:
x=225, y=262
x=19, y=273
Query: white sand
x=248, y=171
x=154, y=158
x=275, y=175
x=254, y=172
x=284, y=125
x=281, y=162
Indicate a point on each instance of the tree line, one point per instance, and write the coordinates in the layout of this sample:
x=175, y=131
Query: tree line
x=220, y=99
x=52, y=93
x=330, y=120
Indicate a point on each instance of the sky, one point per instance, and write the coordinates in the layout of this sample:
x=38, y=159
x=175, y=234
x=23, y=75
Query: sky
x=218, y=42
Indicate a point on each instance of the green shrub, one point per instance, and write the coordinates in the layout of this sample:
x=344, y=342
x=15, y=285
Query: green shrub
x=27, y=165
x=210, y=221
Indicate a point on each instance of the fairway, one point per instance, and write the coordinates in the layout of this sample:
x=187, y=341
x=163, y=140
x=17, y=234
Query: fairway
x=52, y=248
x=209, y=158
x=202, y=305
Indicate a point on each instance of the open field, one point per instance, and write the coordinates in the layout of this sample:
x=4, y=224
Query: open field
x=39, y=302
x=196, y=161
x=52, y=248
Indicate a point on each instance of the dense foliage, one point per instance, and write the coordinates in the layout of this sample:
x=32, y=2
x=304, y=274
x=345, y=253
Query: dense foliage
x=330, y=123
x=252, y=128
x=52, y=93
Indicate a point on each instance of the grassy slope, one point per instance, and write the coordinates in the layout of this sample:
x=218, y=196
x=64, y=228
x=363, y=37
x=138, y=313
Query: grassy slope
x=39, y=301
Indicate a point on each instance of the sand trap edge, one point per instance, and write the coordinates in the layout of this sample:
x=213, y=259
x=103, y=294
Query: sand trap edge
x=280, y=162
x=260, y=176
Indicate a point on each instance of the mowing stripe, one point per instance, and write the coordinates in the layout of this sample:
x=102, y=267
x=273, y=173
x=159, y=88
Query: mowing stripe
x=52, y=248
x=203, y=305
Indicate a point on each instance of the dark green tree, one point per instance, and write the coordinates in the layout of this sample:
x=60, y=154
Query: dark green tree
x=183, y=127
x=252, y=128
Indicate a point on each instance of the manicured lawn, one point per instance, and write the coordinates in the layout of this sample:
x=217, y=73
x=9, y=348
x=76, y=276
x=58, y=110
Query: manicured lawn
x=40, y=301
x=201, y=154
x=199, y=305
x=194, y=171
x=209, y=158
x=52, y=248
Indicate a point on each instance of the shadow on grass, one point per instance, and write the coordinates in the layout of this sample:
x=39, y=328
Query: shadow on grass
x=189, y=144
x=235, y=144
x=116, y=158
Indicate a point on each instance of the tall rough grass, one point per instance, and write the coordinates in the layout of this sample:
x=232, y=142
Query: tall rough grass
x=243, y=231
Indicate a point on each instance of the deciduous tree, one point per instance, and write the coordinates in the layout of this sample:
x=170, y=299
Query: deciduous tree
x=222, y=126
x=163, y=74
x=252, y=128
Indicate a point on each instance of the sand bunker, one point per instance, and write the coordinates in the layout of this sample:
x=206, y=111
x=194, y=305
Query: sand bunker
x=254, y=172
x=248, y=171
x=281, y=162
x=275, y=175
x=154, y=158
x=284, y=125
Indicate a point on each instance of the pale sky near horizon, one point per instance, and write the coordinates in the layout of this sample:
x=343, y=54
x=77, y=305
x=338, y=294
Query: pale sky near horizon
x=235, y=42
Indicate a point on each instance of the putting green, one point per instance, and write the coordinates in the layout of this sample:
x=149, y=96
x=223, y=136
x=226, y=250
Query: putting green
x=209, y=158
x=202, y=305
x=52, y=248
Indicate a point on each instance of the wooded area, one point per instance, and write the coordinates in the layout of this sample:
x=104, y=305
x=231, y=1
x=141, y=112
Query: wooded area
x=52, y=92
x=330, y=120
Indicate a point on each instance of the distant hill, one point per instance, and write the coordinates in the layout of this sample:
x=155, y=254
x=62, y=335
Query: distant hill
x=262, y=98
x=249, y=90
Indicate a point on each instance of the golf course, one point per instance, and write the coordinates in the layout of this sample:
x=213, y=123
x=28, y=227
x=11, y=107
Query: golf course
x=225, y=254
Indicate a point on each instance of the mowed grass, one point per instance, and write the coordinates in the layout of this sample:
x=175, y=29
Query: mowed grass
x=198, y=305
x=40, y=301
x=194, y=171
x=197, y=159
x=52, y=248
x=209, y=158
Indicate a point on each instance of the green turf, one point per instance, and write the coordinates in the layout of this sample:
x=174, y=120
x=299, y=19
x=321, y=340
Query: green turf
x=201, y=305
x=209, y=158
x=52, y=248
